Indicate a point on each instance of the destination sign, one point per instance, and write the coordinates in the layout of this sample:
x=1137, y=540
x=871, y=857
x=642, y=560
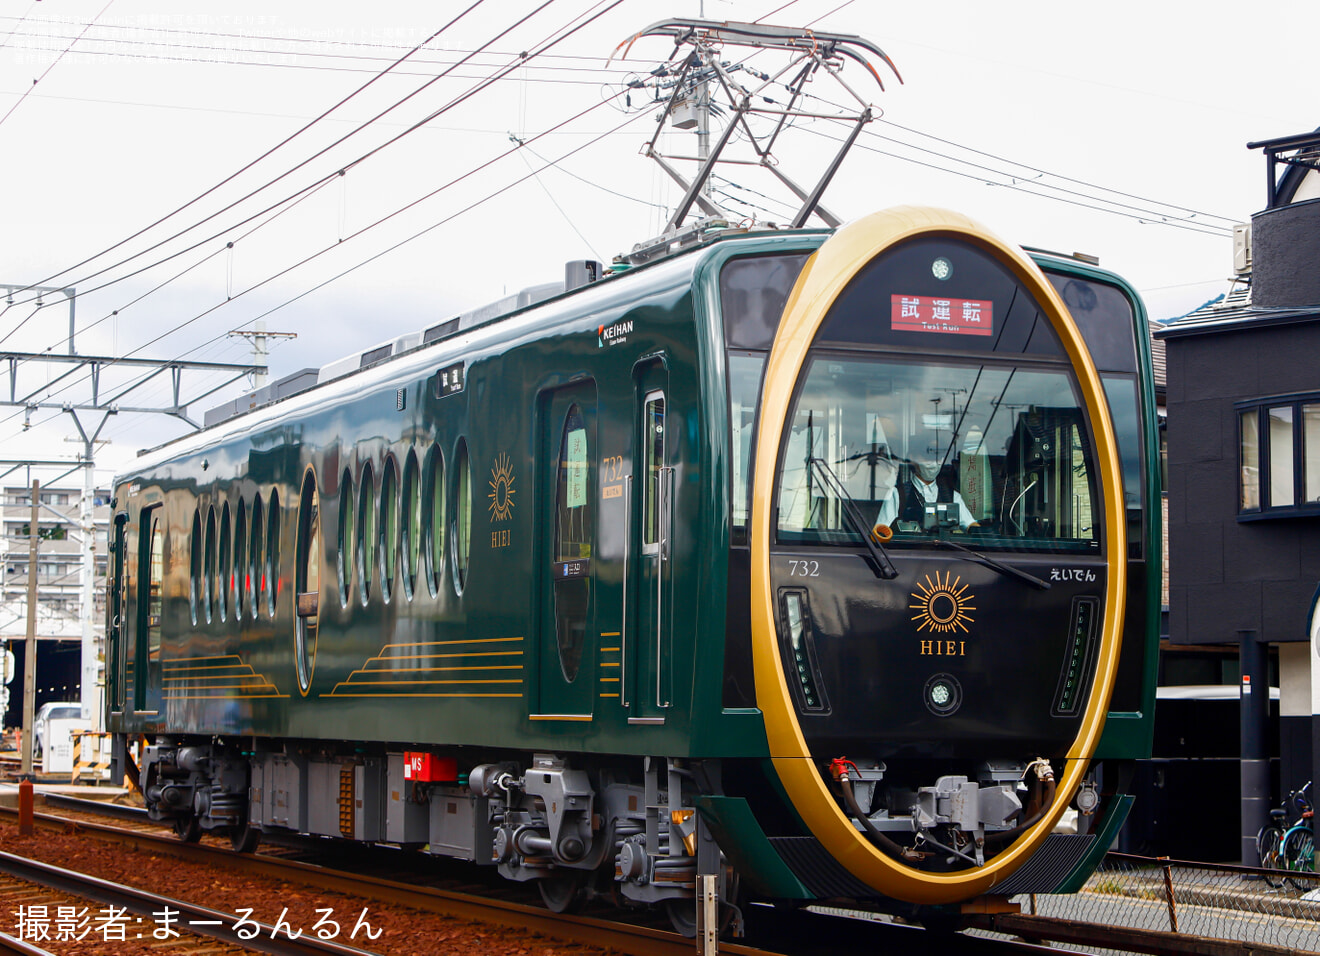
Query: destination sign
x=925, y=313
x=449, y=380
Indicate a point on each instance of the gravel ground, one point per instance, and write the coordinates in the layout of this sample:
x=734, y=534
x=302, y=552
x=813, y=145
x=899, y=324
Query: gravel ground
x=401, y=931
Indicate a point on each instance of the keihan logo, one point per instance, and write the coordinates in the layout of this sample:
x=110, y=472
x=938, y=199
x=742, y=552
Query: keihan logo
x=613, y=334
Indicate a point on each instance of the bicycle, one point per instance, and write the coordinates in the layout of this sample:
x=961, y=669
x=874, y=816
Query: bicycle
x=1291, y=848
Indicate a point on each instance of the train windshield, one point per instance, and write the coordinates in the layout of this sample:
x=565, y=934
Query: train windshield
x=999, y=457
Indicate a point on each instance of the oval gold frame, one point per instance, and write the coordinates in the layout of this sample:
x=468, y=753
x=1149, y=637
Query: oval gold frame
x=826, y=274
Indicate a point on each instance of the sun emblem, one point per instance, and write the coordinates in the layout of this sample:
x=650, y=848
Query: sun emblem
x=942, y=605
x=501, y=489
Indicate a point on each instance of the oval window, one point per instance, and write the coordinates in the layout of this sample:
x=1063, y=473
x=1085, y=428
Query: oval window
x=273, y=552
x=195, y=566
x=573, y=534
x=240, y=559
x=411, y=523
x=307, y=580
x=347, y=526
x=366, y=531
x=255, y=571
x=208, y=555
x=433, y=519
x=462, y=516
x=224, y=582
x=389, y=527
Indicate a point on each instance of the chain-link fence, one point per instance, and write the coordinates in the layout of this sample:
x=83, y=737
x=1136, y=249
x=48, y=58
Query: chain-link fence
x=1266, y=907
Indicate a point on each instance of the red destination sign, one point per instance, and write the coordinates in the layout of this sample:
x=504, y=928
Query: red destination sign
x=924, y=313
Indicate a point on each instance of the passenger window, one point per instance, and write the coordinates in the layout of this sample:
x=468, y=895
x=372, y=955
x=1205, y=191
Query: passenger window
x=574, y=527
x=435, y=520
x=256, y=573
x=366, y=531
x=224, y=582
x=412, y=524
x=273, y=552
x=346, y=529
x=195, y=580
x=654, y=424
x=389, y=527
x=208, y=556
x=307, y=582
x=463, y=517
x=240, y=556
x=154, y=582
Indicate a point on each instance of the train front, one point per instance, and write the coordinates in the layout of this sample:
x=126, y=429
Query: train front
x=938, y=555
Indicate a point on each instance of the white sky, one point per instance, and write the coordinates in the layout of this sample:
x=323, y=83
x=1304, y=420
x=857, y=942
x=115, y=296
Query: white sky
x=152, y=107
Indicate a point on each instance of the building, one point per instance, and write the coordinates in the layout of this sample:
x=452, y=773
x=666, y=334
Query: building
x=59, y=589
x=1244, y=475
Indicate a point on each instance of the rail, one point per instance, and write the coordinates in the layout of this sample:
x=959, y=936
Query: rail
x=1132, y=903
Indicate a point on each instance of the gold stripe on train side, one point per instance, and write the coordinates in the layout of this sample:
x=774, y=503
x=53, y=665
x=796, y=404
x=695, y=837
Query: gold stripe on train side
x=479, y=667
x=212, y=678
x=825, y=276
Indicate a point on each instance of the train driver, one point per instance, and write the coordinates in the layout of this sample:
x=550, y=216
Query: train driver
x=925, y=488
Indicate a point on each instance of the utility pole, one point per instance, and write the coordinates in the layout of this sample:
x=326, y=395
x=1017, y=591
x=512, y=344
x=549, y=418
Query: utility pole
x=89, y=696
x=30, y=651
x=103, y=402
x=259, y=335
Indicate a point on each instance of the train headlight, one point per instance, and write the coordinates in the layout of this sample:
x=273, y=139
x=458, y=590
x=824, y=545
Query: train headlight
x=943, y=695
x=941, y=268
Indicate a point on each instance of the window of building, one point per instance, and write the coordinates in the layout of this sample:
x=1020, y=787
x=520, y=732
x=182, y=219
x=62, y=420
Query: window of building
x=1279, y=456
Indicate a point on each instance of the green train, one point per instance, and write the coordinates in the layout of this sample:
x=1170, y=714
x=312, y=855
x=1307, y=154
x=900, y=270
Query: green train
x=788, y=565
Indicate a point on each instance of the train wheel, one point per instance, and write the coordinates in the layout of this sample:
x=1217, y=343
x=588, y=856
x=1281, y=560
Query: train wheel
x=683, y=916
x=244, y=839
x=564, y=892
x=188, y=829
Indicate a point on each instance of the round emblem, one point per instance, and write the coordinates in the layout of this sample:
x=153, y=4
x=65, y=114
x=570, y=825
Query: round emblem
x=501, y=489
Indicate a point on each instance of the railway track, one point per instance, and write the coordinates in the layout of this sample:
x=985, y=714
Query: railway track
x=773, y=930
x=61, y=905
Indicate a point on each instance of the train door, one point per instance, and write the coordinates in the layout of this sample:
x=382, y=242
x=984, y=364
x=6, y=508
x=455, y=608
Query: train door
x=151, y=566
x=567, y=507
x=652, y=505
x=115, y=648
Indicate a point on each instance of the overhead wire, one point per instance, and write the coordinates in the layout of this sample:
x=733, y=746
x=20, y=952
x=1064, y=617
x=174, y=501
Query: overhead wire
x=1148, y=216
x=392, y=248
x=262, y=156
x=54, y=63
x=292, y=198
x=479, y=87
x=18, y=22
x=363, y=231
x=274, y=38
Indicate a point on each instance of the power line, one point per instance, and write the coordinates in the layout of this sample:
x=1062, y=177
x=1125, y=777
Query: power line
x=363, y=231
x=53, y=64
x=262, y=156
x=228, y=60
x=490, y=80
x=1045, y=172
x=1021, y=186
x=565, y=32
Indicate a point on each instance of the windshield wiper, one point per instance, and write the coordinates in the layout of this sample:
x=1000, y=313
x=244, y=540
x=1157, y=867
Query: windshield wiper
x=880, y=563
x=999, y=566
